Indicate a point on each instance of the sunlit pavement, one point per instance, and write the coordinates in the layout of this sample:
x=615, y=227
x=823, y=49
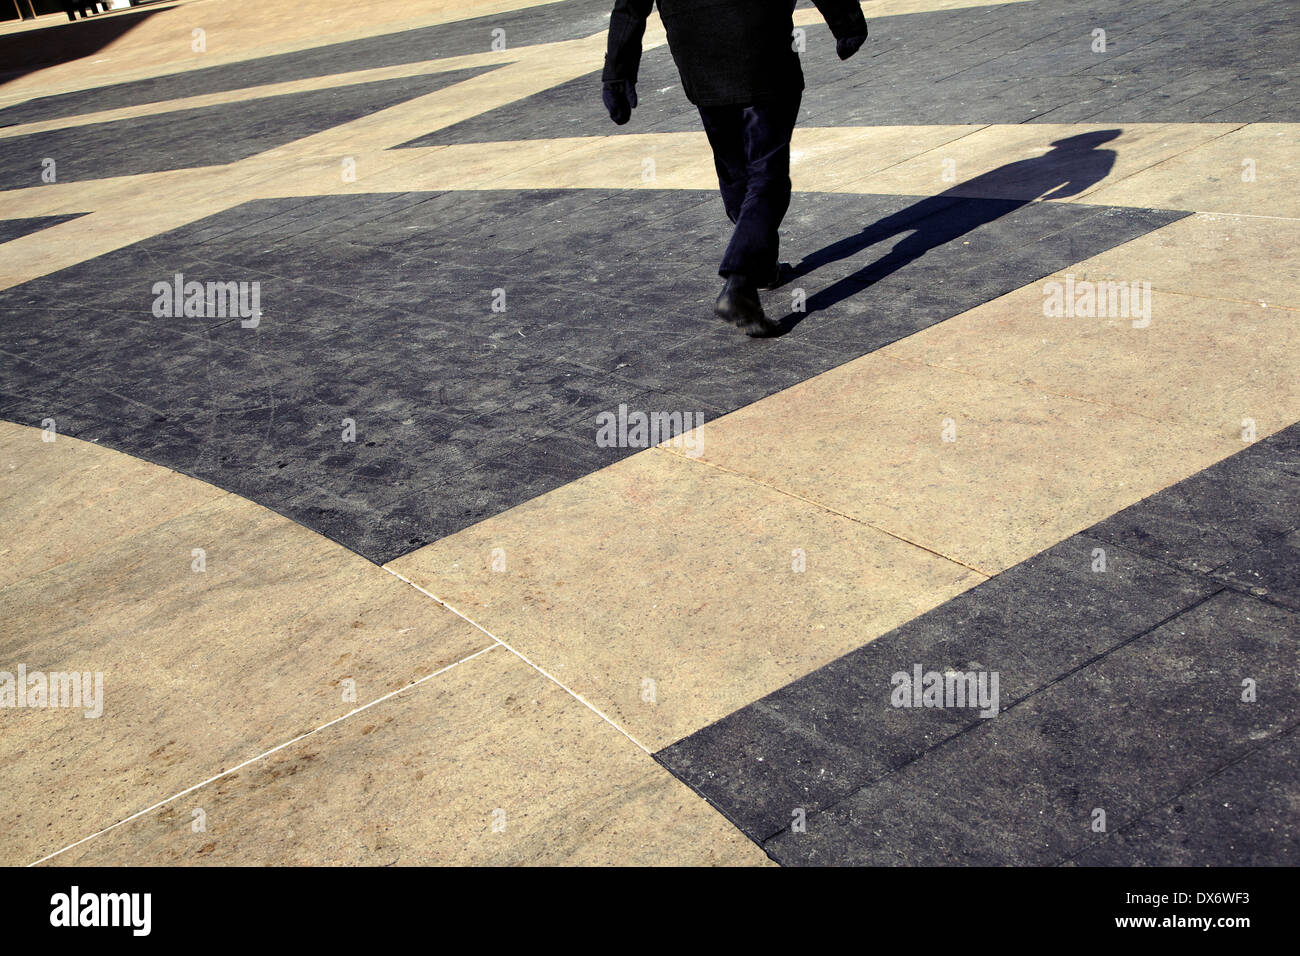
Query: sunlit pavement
x=379, y=481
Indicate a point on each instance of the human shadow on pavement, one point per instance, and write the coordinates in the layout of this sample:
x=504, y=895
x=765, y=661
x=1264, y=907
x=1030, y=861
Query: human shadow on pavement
x=1071, y=166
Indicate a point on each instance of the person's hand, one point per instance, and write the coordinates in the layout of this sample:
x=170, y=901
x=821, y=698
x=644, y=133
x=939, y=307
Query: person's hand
x=620, y=100
x=847, y=46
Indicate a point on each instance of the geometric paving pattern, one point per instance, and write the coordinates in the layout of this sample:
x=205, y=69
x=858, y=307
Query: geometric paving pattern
x=462, y=411
x=998, y=63
x=13, y=228
x=1076, y=644
x=213, y=135
x=366, y=585
x=544, y=23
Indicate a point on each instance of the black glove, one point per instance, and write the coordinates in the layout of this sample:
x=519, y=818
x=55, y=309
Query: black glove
x=620, y=100
x=847, y=46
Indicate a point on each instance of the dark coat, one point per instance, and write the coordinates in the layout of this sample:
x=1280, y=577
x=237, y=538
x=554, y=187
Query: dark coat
x=726, y=51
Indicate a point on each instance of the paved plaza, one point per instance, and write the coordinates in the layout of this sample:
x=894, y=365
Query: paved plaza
x=446, y=524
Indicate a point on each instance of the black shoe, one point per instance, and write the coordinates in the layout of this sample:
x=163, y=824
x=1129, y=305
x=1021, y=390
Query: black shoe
x=779, y=277
x=739, y=305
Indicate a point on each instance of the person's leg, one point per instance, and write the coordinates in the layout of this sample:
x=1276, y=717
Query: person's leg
x=754, y=245
x=725, y=128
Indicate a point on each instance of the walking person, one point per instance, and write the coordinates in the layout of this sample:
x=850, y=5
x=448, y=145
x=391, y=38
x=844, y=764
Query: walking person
x=738, y=66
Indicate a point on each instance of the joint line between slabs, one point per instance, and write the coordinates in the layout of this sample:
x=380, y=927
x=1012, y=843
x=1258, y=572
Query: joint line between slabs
x=1034, y=386
x=1192, y=785
x=1107, y=183
x=558, y=683
x=829, y=510
x=1236, y=215
x=966, y=732
x=252, y=760
x=974, y=128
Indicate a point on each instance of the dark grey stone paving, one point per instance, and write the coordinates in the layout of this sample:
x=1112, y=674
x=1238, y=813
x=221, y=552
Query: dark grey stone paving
x=1144, y=724
x=208, y=136
x=1120, y=689
x=566, y=20
x=1271, y=571
x=1166, y=61
x=378, y=309
x=1242, y=503
x=16, y=228
x=1245, y=812
x=830, y=734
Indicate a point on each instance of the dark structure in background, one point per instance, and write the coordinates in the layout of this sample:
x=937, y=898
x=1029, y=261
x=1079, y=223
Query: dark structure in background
x=58, y=41
x=85, y=9
x=31, y=9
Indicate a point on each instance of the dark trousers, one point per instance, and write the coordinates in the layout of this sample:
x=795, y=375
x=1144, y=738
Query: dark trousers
x=751, y=151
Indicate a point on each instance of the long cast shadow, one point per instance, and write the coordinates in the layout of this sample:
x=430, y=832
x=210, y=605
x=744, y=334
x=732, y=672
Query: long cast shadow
x=1073, y=165
x=26, y=51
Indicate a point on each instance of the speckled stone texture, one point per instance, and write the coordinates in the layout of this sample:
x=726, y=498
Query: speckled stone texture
x=379, y=309
x=1164, y=62
x=1120, y=689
